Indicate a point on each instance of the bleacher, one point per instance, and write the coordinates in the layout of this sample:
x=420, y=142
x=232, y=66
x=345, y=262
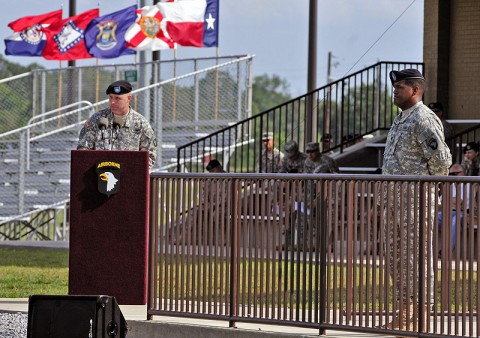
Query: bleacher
x=35, y=158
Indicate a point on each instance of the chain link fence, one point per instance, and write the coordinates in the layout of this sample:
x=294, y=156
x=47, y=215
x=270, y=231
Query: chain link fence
x=43, y=112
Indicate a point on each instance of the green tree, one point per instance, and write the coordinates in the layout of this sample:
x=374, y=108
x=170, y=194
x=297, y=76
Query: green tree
x=268, y=92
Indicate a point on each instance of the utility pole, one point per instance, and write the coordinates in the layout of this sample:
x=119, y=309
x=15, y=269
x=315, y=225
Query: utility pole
x=310, y=116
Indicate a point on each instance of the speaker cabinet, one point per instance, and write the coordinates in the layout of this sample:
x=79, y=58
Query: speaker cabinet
x=52, y=316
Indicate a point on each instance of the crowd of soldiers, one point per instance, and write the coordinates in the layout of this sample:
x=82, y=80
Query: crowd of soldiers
x=303, y=199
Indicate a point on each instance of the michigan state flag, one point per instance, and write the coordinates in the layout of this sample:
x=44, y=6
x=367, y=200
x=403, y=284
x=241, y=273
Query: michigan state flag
x=105, y=35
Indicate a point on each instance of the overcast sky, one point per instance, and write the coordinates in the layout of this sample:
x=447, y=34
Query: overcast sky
x=276, y=32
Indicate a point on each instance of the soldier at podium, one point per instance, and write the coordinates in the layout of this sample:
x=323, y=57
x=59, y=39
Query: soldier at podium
x=118, y=127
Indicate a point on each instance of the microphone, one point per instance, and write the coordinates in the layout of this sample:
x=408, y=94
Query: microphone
x=117, y=124
x=102, y=124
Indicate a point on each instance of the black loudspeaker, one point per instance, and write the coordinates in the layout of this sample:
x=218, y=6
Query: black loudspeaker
x=75, y=316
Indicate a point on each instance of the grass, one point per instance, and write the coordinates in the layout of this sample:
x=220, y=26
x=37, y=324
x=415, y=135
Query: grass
x=24, y=272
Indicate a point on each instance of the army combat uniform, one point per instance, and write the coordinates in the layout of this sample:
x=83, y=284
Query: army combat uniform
x=268, y=161
x=415, y=146
x=135, y=134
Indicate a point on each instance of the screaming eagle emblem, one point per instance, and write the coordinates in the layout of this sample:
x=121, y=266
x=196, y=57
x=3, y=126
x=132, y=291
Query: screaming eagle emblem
x=108, y=173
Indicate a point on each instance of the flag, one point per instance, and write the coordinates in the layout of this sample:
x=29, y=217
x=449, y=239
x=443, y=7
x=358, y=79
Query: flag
x=105, y=35
x=65, y=38
x=29, y=38
x=192, y=22
x=147, y=33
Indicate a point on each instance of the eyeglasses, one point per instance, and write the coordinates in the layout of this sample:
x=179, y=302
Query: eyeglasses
x=311, y=151
x=455, y=173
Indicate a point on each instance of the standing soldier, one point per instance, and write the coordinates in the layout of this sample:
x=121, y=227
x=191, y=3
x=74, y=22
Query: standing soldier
x=415, y=146
x=270, y=156
x=118, y=127
x=471, y=160
x=294, y=162
x=316, y=163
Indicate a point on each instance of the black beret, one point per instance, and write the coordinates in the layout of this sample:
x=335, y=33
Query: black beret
x=326, y=137
x=399, y=75
x=213, y=164
x=435, y=106
x=471, y=146
x=119, y=87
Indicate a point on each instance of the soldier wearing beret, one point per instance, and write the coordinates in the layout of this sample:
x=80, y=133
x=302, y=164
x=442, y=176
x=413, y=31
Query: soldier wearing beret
x=471, y=161
x=294, y=160
x=269, y=158
x=415, y=146
x=118, y=127
x=437, y=108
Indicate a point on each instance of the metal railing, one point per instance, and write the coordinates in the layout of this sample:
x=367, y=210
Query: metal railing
x=347, y=109
x=35, y=157
x=315, y=251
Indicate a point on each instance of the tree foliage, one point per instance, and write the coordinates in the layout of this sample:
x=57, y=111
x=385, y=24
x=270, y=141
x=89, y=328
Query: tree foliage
x=268, y=92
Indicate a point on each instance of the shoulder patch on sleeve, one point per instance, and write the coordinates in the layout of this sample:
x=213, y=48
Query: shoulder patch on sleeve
x=432, y=143
x=88, y=123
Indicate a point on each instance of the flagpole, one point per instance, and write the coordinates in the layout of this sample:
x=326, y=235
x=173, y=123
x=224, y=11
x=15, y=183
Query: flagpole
x=174, y=112
x=216, y=86
x=60, y=89
x=72, y=11
x=97, y=82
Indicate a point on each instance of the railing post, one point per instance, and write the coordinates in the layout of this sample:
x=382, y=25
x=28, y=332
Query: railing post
x=21, y=172
x=233, y=252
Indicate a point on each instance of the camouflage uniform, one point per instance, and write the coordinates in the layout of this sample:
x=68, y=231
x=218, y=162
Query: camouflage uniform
x=320, y=163
x=415, y=146
x=293, y=166
x=268, y=161
x=294, y=162
x=473, y=168
x=325, y=164
x=135, y=134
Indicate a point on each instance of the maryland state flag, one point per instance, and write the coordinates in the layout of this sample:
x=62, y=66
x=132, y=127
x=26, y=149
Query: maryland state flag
x=65, y=38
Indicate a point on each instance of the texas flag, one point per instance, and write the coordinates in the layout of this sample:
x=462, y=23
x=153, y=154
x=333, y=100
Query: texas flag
x=65, y=38
x=29, y=38
x=191, y=22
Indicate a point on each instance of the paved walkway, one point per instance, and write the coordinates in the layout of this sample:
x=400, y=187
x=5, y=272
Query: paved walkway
x=136, y=315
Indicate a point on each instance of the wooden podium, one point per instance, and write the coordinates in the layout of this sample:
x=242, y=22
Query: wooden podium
x=109, y=198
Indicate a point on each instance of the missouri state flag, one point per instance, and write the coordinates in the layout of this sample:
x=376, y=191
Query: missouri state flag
x=28, y=38
x=105, y=35
x=65, y=38
x=191, y=22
